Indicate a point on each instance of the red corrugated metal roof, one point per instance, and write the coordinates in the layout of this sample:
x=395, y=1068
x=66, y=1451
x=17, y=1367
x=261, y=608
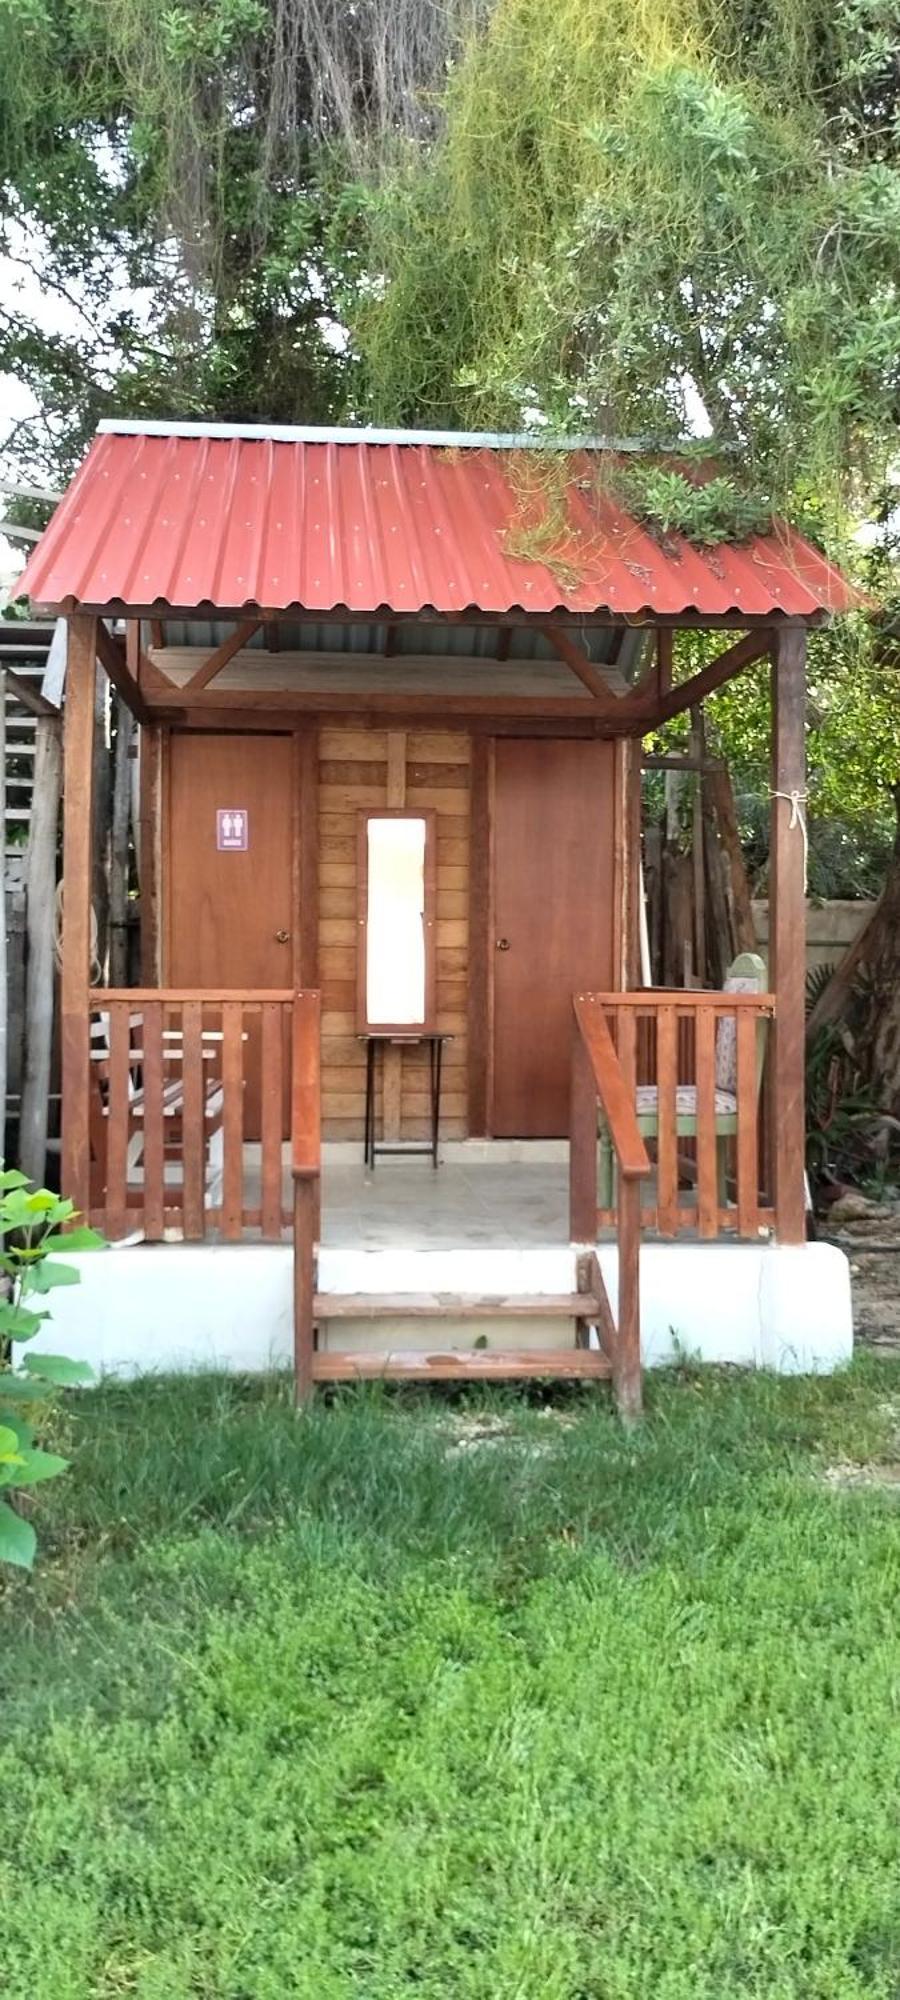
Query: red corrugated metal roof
x=232, y=520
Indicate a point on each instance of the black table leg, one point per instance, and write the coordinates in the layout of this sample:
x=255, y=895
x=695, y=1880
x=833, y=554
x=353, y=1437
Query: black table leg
x=369, y=1142
x=436, y=1051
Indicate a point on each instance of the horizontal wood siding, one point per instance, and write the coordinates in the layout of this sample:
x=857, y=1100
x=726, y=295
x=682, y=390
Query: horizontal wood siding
x=353, y=773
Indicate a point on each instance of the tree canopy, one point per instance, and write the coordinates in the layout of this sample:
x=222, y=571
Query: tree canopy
x=649, y=217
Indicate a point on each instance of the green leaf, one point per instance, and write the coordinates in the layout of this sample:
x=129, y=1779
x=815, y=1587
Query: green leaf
x=18, y=1540
x=18, y=1323
x=24, y=1432
x=9, y=1446
x=30, y=1467
x=48, y=1277
x=12, y=1178
x=57, y=1368
x=18, y=1388
x=75, y=1239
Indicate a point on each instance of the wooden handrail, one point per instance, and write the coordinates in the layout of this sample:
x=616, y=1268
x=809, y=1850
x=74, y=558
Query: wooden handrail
x=177, y=996
x=685, y=999
x=611, y=1087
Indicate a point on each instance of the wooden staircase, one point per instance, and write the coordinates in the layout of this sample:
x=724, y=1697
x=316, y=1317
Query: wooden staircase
x=450, y=1363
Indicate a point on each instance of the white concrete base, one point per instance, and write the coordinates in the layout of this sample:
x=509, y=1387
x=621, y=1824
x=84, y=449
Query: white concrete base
x=180, y=1306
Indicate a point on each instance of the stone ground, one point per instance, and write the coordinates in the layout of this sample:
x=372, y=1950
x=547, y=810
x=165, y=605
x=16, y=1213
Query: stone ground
x=872, y=1243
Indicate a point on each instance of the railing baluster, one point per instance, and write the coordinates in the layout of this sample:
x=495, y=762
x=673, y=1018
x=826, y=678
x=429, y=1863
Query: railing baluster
x=152, y=1084
x=232, y=1120
x=667, y=1143
x=747, y=1127
x=118, y=1123
x=272, y=1118
x=193, y=1092
x=707, y=1142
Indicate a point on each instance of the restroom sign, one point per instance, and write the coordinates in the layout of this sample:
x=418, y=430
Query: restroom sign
x=232, y=829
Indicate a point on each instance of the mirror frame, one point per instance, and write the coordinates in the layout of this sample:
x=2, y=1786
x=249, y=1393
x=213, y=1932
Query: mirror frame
x=400, y=1030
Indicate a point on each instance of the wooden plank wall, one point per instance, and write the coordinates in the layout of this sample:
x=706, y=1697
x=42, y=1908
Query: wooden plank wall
x=354, y=772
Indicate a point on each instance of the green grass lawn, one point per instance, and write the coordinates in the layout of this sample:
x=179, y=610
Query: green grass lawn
x=458, y=1697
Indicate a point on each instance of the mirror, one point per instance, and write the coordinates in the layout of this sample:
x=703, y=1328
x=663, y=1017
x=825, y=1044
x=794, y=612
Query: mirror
x=397, y=921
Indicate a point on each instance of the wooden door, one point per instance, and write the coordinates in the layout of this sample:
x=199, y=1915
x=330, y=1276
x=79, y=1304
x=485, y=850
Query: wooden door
x=229, y=881
x=552, y=919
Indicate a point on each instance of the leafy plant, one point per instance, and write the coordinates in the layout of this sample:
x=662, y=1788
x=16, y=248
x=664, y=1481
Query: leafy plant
x=31, y=1224
x=706, y=511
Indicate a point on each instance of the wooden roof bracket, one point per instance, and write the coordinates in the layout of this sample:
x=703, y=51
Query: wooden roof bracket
x=590, y=676
x=222, y=655
x=112, y=656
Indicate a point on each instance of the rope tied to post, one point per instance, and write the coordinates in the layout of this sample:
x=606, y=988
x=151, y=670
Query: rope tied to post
x=798, y=801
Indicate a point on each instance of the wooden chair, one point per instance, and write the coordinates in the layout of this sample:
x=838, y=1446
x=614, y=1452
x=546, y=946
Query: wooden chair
x=747, y=974
x=172, y=1111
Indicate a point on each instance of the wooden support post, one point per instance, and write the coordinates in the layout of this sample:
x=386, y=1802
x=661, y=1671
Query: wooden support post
x=627, y=1361
x=306, y=1154
x=118, y=853
x=40, y=976
x=102, y=816
x=76, y=944
x=305, y=1226
x=150, y=850
x=698, y=855
x=787, y=907
x=582, y=1144
x=480, y=943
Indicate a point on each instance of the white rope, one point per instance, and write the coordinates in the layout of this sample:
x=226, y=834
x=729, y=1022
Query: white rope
x=797, y=800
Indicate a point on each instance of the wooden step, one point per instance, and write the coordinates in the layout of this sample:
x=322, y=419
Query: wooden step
x=479, y=1365
x=455, y=1305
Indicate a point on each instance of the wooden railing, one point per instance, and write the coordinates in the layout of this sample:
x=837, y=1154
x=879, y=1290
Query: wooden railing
x=597, y=1076
x=675, y=1075
x=190, y=1105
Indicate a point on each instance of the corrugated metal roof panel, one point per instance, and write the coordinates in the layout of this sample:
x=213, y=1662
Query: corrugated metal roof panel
x=233, y=522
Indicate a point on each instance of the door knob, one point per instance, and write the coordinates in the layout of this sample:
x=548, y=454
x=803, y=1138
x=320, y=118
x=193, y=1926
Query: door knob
x=503, y=944
x=282, y=937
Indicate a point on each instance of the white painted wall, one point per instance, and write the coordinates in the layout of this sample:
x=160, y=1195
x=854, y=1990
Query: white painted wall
x=179, y=1306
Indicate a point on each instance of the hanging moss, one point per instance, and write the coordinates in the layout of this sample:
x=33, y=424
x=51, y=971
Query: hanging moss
x=648, y=216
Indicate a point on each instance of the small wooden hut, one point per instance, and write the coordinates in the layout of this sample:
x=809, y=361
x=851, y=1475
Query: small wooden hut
x=390, y=741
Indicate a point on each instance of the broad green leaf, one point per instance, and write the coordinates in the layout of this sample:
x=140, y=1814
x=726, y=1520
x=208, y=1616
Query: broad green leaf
x=9, y=1447
x=32, y=1466
x=18, y=1540
x=41, y=1202
x=48, y=1277
x=18, y=1323
x=74, y=1239
x=57, y=1368
x=20, y=1389
x=12, y=1178
x=24, y=1432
